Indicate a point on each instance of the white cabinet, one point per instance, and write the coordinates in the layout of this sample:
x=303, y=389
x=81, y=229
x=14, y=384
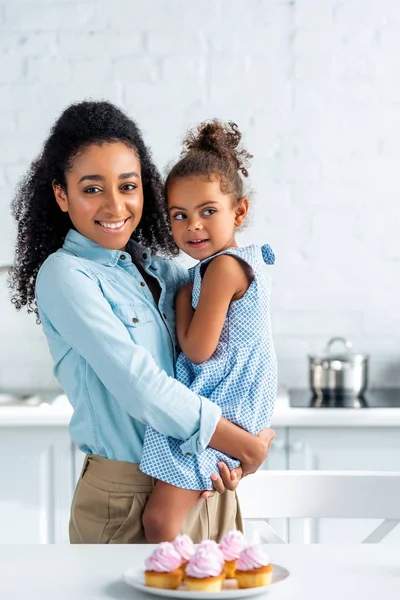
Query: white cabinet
x=35, y=485
x=39, y=468
x=278, y=459
x=354, y=449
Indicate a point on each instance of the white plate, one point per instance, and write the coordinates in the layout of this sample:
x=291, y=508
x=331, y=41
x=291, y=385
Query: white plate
x=135, y=578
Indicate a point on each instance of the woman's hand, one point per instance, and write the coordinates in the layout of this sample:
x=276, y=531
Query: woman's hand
x=224, y=480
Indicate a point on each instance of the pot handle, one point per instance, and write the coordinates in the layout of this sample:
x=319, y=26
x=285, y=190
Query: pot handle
x=347, y=343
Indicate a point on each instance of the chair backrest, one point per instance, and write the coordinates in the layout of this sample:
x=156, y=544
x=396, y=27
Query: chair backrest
x=319, y=494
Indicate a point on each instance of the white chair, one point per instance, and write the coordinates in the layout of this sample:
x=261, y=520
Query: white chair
x=318, y=494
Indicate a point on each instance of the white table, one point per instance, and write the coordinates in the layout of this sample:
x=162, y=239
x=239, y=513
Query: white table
x=318, y=572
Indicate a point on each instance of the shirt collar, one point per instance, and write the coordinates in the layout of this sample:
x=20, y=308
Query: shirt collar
x=78, y=244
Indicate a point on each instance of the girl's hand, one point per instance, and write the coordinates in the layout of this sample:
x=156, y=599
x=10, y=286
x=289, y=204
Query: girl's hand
x=229, y=480
x=225, y=480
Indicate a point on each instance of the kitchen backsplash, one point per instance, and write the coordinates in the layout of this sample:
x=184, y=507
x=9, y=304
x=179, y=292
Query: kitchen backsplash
x=314, y=85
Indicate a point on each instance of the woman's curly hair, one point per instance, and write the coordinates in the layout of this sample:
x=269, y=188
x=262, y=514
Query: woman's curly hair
x=213, y=150
x=42, y=226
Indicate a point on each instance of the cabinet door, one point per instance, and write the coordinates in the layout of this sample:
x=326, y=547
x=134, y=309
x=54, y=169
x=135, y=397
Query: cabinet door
x=278, y=456
x=36, y=485
x=354, y=449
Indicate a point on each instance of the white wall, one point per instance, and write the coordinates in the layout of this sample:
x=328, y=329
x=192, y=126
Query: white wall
x=315, y=86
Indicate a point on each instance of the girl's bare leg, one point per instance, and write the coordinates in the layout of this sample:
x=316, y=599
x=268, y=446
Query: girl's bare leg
x=165, y=511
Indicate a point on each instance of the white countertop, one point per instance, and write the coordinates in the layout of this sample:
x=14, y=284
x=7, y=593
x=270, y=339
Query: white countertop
x=95, y=572
x=285, y=416
x=59, y=413
x=45, y=415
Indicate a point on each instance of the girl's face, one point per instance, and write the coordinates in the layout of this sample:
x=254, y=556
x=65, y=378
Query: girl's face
x=104, y=196
x=203, y=219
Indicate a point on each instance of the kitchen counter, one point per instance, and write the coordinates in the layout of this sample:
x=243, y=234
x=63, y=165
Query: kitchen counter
x=285, y=416
x=58, y=414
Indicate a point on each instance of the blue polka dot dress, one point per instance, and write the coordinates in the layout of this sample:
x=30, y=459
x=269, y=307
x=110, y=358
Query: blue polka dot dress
x=241, y=377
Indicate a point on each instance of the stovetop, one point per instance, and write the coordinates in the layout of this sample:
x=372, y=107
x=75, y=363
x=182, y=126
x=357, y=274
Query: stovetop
x=374, y=398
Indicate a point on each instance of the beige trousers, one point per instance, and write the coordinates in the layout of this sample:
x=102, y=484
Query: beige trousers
x=110, y=498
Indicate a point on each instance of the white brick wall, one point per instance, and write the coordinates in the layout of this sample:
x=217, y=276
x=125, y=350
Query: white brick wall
x=315, y=86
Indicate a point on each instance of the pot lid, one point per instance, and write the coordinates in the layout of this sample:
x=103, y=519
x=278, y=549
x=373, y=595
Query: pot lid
x=347, y=353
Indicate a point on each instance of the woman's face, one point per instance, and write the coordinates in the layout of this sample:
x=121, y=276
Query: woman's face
x=104, y=196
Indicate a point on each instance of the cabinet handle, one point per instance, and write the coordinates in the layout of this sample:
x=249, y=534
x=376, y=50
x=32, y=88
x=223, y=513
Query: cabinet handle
x=297, y=447
x=278, y=444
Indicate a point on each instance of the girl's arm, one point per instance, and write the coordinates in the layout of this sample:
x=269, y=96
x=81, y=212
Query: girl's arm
x=226, y=279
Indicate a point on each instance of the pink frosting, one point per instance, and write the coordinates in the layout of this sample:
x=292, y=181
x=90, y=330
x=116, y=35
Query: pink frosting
x=164, y=559
x=184, y=546
x=208, y=561
x=232, y=544
x=252, y=557
x=209, y=545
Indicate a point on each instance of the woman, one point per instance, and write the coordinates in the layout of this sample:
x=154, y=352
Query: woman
x=91, y=218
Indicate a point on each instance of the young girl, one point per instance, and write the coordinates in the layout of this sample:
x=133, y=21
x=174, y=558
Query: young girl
x=91, y=218
x=223, y=321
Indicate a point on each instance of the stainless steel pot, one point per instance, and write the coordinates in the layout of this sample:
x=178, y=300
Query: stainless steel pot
x=339, y=373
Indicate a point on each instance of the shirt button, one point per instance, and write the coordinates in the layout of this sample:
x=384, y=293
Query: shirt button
x=135, y=320
x=142, y=283
x=144, y=255
x=188, y=454
x=122, y=257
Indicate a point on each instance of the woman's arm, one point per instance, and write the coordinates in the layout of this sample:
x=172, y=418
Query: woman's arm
x=199, y=331
x=72, y=306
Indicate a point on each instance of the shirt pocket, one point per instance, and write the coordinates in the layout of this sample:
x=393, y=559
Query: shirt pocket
x=138, y=320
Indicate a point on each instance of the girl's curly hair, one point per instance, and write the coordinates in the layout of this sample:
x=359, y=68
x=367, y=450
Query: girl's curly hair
x=42, y=226
x=213, y=149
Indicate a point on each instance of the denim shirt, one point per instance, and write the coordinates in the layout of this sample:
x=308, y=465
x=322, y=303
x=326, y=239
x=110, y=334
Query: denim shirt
x=114, y=349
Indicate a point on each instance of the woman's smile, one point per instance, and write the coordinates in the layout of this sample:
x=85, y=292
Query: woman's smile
x=113, y=227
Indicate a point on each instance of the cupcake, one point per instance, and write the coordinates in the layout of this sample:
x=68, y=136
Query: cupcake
x=204, y=571
x=185, y=548
x=253, y=568
x=231, y=546
x=162, y=567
